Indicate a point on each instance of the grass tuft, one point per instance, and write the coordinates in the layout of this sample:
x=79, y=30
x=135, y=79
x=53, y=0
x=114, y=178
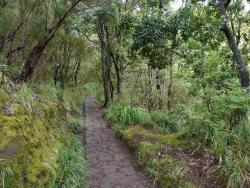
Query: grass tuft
x=71, y=170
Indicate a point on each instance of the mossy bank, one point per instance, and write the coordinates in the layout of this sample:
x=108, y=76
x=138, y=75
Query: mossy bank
x=33, y=133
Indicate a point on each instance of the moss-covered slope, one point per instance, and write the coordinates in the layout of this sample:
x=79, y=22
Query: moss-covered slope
x=30, y=138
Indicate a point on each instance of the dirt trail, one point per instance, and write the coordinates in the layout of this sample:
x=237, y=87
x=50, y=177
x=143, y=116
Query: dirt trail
x=110, y=163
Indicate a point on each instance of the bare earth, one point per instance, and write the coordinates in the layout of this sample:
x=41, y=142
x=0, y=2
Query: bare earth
x=110, y=163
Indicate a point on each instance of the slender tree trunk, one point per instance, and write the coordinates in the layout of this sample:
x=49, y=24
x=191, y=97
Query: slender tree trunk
x=158, y=86
x=106, y=79
x=149, y=89
x=1, y=43
x=116, y=61
x=78, y=65
x=170, y=85
x=244, y=74
x=118, y=77
x=106, y=61
x=57, y=67
x=65, y=67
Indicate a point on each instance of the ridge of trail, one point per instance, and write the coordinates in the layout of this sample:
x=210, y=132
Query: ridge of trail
x=110, y=163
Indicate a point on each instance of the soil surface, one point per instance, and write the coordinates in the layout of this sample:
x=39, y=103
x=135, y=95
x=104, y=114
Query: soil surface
x=110, y=163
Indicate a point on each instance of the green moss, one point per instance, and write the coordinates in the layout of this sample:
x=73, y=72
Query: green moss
x=139, y=134
x=165, y=169
x=3, y=98
x=19, y=109
x=30, y=143
x=166, y=139
x=131, y=132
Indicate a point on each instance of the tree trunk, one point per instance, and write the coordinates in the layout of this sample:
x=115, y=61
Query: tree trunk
x=106, y=78
x=170, y=95
x=37, y=51
x=158, y=86
x=118, y=77
x=105, y=60
x=170, y=85
x=57, y=67
x=77, y=71
x=244, y=74
x=116, y=60
x=2, y=39
x=149, y=90
x=32, y=60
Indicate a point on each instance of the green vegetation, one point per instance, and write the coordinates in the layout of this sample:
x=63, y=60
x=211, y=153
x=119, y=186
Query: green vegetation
x=71, y=168
x=37, y=144
x=172, y=74
x=140, y=134
x=148, y=143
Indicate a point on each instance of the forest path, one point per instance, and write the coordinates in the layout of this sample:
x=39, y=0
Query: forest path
x=110, y=163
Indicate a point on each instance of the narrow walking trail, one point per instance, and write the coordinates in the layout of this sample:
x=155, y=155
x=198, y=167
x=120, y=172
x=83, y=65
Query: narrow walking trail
x=110, y=163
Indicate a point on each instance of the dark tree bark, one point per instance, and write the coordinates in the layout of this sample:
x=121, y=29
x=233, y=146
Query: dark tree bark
x=78, y=64
x=10, y=36
x=37, y=50
x=149, y=93
x=106, y=66
x=65, y=66
x=20, y=47
x=158, y=86
x=33, y=58
x=116, y=60
x=105, y=60
x=118, y=77
x=158, y=70
x=170, y=85
x=2, y=39
x=57, y=67
x=244, y=74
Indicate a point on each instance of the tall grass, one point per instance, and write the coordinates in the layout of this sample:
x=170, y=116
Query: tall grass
x=76, y=125
x=127, y=115
x=124, y=115
x=5, y=172
x=71, y=170
x=214, y=129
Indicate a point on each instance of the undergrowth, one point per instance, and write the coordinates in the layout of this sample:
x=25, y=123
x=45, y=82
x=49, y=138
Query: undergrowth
x=47, y=117
x=71, y=166
x=223, y=129
x=125, y=115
